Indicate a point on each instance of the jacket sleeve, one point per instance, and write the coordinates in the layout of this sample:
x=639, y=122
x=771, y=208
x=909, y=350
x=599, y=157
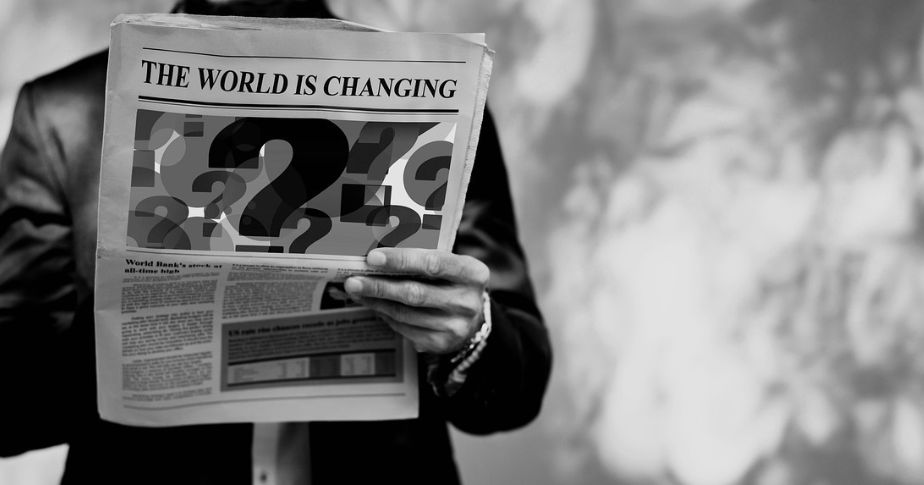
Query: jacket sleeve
x=37, y=293
x=504, y=388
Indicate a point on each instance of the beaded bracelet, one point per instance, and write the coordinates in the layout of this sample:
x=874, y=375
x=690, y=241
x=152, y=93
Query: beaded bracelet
x=466, y=357
x=480, y=336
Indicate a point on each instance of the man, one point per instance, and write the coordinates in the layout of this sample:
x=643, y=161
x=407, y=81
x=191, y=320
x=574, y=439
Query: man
x=49, y=176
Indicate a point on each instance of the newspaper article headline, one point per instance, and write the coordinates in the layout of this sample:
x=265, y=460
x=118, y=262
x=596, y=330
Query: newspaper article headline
x=250, y=82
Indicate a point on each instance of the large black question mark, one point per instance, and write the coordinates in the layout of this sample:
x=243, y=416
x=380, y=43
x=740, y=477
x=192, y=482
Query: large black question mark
x=319, y=155
x=151, y=230
x=233, y=188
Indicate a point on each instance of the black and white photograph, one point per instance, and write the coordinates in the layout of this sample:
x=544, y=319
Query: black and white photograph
x=596, y=242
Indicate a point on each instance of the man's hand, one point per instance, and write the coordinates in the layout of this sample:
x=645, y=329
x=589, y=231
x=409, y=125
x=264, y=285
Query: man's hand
x=438, y=304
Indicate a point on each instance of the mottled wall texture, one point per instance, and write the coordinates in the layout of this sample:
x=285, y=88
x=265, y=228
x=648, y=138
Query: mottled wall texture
x=722, y=202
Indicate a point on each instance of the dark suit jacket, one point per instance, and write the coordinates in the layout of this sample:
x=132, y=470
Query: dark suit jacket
x=49, y=175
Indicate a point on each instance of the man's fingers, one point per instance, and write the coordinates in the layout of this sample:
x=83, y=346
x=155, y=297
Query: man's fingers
x=425, y=339
x=450, y=299
x=436, y=304
x=430, y=263
x=408, y=292
x=416, y=317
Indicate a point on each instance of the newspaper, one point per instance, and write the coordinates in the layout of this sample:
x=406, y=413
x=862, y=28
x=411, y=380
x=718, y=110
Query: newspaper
x=248, y=167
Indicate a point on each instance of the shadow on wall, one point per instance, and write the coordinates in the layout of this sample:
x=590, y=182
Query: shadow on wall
x=720, y=199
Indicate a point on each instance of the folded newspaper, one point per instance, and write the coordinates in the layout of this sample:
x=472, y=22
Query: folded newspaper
x=248, y=167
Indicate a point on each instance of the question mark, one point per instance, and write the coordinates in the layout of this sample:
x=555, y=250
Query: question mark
x=355, y=201
x=426, y=177
x=233, y=146
x=234, y=187
x=320, y=227
x=320, y=152
x=381, y=144
x=407, y=226
x=377, y=148
x=206, y=235
x=144, y=224
x=428, y=171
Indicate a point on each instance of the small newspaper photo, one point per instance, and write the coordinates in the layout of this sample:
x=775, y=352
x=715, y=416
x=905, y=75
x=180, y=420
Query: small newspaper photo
x=248, y=167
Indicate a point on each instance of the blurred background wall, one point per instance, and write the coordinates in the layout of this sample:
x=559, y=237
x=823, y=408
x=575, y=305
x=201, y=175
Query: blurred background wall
x=722, y=205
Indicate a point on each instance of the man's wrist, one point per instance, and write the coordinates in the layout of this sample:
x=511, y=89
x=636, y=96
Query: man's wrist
x=480, y=336
x=448, y=375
